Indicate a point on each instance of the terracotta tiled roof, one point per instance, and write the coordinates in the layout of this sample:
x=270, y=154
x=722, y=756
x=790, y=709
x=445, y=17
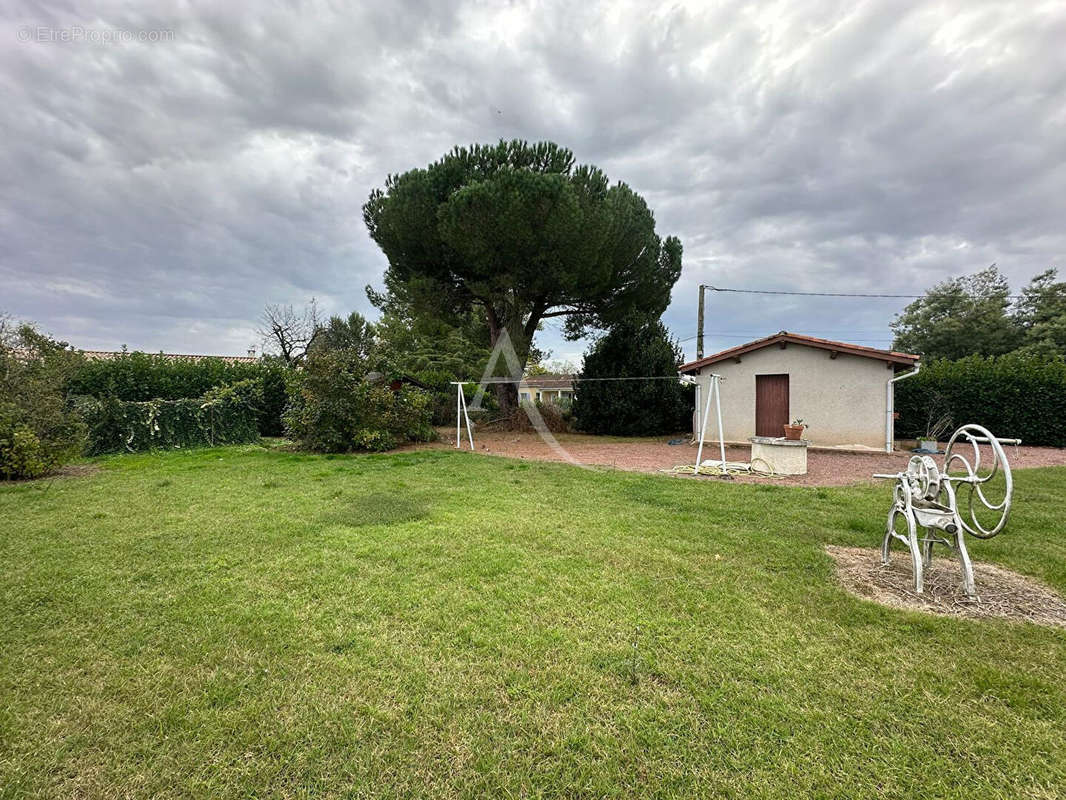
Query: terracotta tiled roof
x=107, y=355
x=549, y=381
x=891, y=356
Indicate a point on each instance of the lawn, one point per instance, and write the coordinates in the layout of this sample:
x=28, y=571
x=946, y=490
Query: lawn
x=252, y=622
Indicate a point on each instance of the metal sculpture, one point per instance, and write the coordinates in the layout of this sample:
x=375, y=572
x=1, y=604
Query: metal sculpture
x=927, y=496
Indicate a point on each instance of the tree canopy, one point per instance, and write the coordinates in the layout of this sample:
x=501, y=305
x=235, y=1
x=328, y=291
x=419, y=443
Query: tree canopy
x=975, y=315
x=1041, y=314
x=344, y=333
x=960, y=317
x=520, y=234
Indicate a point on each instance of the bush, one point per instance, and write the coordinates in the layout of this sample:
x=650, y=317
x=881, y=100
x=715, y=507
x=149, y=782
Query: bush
x=38, y=431
x=1014, y=396
x=141, y=377
x=223, y=415
x=333, y=409
x=633, y=408
x=21, y=453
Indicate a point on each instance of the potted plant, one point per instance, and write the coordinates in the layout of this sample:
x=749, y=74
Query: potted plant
x=935, y=428
x=794, y=432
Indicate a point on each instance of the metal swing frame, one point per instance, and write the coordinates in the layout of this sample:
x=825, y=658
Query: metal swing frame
x=713, y=390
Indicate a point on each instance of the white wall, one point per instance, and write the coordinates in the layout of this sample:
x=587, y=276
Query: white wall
x=842, y=399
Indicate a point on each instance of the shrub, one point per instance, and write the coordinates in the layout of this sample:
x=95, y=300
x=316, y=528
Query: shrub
x=21, y=454
x=38, y=430
x=334, y=409
x=1017, y=395
x=223, y=415
x=140, y=377
x=633, y=408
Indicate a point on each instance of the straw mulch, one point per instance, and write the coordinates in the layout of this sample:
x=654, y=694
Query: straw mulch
x=1002, y=594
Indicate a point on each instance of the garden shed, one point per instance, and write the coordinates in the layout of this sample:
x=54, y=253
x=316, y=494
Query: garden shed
x=842, y=392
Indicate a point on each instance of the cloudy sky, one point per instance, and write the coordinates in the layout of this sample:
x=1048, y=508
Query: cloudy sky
x=164, y=174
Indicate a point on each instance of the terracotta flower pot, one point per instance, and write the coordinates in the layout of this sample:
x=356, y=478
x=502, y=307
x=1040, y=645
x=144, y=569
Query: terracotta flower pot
x=794, y=432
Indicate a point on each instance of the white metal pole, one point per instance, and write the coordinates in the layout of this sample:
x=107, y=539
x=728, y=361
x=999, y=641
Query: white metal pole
x=458, y=416
x=703, y=424
x=469, y=430
x=718, y=408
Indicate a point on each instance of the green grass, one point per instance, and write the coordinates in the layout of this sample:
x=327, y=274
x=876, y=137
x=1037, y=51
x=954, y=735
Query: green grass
x=250, y=622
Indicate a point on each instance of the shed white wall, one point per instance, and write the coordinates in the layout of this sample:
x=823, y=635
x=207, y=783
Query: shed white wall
x=842, y=399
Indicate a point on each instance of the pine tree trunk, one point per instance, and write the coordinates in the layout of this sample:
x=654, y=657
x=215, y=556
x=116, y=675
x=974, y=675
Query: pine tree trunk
x=507, y=393
x=507, y=397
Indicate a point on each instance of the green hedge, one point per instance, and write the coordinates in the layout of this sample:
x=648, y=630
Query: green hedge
x=141, y=377
x=1014, y=396
x=223, y=415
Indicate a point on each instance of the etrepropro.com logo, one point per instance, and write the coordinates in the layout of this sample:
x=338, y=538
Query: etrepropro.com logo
x=78, y=34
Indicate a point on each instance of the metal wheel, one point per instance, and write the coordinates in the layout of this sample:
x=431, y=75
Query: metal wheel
x=974, y=483
x=924, y=476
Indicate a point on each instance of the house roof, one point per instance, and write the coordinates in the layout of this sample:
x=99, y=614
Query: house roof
x=549, y=381
x=785, y=337
x=107, y=355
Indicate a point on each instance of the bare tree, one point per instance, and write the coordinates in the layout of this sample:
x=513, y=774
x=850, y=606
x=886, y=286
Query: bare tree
x=287, y=332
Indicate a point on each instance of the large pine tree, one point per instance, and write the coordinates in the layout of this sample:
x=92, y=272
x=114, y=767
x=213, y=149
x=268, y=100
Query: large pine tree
x=520, y=233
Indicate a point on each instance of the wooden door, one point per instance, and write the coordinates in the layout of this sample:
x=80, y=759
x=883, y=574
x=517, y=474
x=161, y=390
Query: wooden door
x=771, y=405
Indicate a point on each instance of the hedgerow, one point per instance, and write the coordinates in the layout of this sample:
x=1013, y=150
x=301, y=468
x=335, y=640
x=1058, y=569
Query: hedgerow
x=143, y=377
x=1014, y=395
x=223, y=415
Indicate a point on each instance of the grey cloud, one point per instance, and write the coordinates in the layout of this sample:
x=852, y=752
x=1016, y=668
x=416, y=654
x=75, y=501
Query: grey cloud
x=159, y=194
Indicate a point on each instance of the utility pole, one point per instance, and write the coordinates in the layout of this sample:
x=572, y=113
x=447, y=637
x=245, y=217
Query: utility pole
x=699, y=325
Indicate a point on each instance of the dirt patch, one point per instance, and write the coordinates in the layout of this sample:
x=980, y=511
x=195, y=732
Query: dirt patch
x=76, y=471
x=825, y=467
x=1003, y=594
x=66, y=471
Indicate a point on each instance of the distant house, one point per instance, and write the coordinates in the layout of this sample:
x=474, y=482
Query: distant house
x=108, y=355
x=842, y=391
x=546, y=388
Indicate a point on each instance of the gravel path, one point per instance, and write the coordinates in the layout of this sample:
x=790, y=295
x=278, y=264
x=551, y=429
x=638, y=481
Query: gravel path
x=825, y=467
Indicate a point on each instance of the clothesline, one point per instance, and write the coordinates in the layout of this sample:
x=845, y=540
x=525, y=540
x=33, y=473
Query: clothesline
x=573, y=380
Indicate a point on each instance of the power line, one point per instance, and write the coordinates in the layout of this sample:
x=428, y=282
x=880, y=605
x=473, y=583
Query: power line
x=574, y=379
x=645, y=378
x=832, y=294
x=817, y=294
